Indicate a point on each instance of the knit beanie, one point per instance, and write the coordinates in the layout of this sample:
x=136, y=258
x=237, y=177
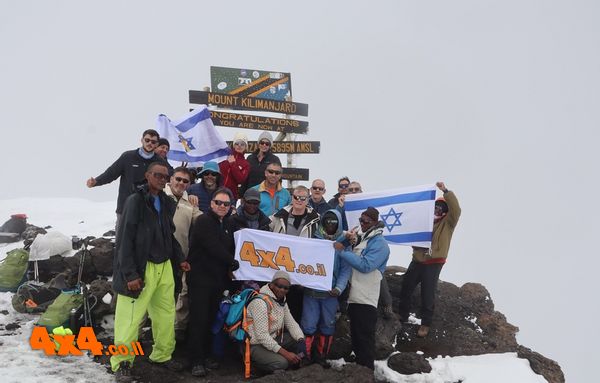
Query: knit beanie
x=164, y=141
x=266, y=136
x=239, y=136
x=372, y=213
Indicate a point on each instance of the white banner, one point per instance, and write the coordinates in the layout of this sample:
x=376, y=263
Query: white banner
x=261, y=253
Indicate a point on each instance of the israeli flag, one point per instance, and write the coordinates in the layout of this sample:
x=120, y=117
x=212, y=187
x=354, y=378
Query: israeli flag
x=407, y=213
x=193, y=138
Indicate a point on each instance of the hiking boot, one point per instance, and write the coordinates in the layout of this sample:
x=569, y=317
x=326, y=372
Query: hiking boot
x=171, y=365
x=423, y=331
x=211, y=364
x=199, y=370
x=124, y=374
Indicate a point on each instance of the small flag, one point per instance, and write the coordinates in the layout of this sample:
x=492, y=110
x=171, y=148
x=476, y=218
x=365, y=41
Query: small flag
x=193, y=138
x=407, y=213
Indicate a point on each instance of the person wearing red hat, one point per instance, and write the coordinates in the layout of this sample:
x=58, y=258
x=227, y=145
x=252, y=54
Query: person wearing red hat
x=427, y=264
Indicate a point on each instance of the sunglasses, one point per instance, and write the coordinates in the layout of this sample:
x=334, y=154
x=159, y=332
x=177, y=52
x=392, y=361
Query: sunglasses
x=240, y=143
x=300, y=198
x=364, y=221
x=265, y=143
x=343, y=186
x=224, y=203
x=252, y=202
x=209, y=173
x=160, y=176
x=184, y=180
x=276, y=172
x=149, y=140
x=330, y=221
x=283, y=287
x=354, y=190
x=317, y=188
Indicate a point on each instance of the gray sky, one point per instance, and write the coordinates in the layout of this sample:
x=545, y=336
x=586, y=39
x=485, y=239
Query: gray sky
x=497, y=98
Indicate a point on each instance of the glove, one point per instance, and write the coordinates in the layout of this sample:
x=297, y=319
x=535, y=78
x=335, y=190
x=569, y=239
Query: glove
x=235, y=265
x=301, y=347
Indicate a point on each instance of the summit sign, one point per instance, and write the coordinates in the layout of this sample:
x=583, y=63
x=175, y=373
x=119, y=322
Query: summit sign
x=248, y=103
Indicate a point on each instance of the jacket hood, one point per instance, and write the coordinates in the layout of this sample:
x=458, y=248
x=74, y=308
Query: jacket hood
x=321, y=232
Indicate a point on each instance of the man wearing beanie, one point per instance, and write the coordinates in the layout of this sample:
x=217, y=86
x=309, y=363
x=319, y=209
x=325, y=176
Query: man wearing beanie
x=249, y=216
x=271, y=348
x=260, y=159
x=368, y=259
x=162, y=150
x=427, y=264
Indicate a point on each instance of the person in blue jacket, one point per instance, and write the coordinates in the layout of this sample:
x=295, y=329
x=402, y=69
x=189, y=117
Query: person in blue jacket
x=320, y=306
x=368, y=259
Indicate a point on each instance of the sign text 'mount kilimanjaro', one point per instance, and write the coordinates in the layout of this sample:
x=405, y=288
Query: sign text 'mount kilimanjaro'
x=248, y=121
x=248, y=103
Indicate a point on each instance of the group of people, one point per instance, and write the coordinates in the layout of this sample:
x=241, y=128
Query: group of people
x=175, y=257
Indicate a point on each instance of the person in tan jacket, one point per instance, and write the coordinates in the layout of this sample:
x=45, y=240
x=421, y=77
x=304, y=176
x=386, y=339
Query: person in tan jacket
x=427, y=264
x=185, y=214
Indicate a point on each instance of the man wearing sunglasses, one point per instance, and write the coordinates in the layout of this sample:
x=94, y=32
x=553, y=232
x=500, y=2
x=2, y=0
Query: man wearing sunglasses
x=130, y=167
x=368, y=259
x=212, y=260
x=337, y=202
x=316, y=201
x=249, y=216
x=260, y=159
x=146, y=249
x=272, y=194
x=302, y=221
x=186, y=213
x=210, y=180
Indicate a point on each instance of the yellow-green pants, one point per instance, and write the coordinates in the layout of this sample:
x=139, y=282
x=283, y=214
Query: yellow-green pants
x=157, y=298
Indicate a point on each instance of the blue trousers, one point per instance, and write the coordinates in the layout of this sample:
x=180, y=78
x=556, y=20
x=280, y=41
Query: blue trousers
x=319, y=314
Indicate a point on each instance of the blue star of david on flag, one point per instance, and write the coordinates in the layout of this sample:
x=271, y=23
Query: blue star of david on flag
x=391, y=219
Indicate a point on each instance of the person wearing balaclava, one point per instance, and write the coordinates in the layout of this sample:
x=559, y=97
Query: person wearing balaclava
x=427, y=264
x=320, y=306
x=368, y=259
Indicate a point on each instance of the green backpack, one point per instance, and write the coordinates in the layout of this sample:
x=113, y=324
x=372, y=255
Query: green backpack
x=12, y=270
x=58, y=313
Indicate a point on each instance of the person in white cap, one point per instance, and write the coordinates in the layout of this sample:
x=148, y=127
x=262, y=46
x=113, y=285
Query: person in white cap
x=235, y=169
x=271, y=348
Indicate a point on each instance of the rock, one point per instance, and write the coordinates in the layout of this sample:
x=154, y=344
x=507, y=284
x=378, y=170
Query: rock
x=12, y=326
x=541, y=365
x=314, y=373
x=99, y=288
x=102, y=242
x=342, y=344
x=89, y=271
x=51, y=267
x=102, y=259
x=408, y=363
x=110, y=233
x=31, y=232
x=464, y=323
x=385, y=333
x=4, y=312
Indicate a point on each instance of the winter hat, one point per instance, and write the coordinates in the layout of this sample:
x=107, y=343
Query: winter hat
x=210, y=166
x=252, y=195
x=442, y=203
x=266, y=136
x=372, y=213
x=164, y=141
x=240, y=137
x=280, y=274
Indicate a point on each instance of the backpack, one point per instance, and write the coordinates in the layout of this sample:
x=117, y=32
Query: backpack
x=59, y=312
x=12, y=270
x=34, y=297
x=237, y=322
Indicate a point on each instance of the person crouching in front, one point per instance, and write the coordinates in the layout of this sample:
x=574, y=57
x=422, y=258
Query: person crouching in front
x=271, y=348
